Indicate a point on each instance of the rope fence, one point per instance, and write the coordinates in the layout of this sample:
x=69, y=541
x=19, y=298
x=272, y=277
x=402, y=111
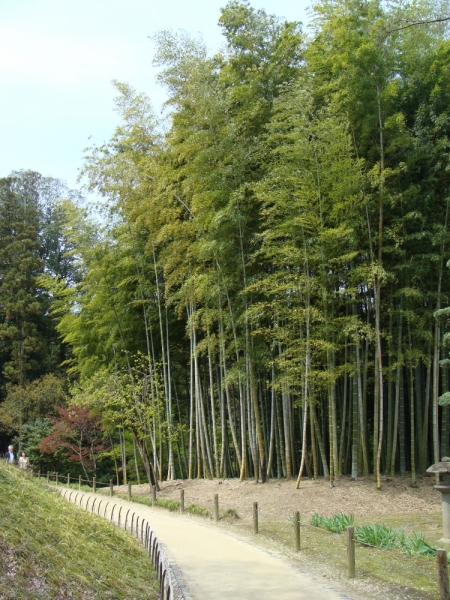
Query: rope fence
x=136, y=525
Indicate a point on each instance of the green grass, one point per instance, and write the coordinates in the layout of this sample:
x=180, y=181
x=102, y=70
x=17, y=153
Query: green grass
x=168, y=504
x=230, y=513
x=172, y=505
x=52, y=549
x=195, y=509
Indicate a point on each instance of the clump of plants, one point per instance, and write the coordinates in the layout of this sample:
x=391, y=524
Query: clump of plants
x=167, y=503
x=230, y=513
x=413, y=544
x=195, y=509
x=377, y=535
x=336, y=523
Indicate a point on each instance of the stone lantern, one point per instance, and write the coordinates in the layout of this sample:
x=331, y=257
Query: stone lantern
x=443, y=470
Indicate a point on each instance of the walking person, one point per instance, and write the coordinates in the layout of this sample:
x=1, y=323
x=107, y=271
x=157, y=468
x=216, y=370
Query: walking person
x=24, y=462
x=10, y=455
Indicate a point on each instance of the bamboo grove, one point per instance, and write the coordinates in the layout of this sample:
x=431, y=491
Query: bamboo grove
x=266, y=293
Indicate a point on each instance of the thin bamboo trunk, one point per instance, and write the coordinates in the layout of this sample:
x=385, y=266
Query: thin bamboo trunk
x=395, y=428
x=401, y=426
x=323, y=454
x=344, y=410
x=191, y=400
x=213, y=411
x=412, y=413
x=272, y=424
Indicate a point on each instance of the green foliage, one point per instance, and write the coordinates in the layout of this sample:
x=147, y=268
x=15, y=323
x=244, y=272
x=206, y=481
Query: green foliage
x=29, y=440
x=195, y=509
x=380, y=536
x=31, y=401
x=31, y=243
x=279, y=244
x=377, y=535
x=169, y=504
x=415, y=545
x=336, y=523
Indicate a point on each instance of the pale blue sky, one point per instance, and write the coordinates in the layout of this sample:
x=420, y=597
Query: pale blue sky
x=57, y=60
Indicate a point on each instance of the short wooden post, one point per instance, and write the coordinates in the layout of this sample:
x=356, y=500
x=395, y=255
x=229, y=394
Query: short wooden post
x=56, y=478
x=154, y=495
x=94, y=484
x=351, y=551
x=68, y=479
x=79, y=482
x=216, y=508
x=39, y=474
x=48, y=477
x=297, y=530
x=181, y=501
x=255, y=518
x=111, y=487
x=444, y=593
x=129, y=490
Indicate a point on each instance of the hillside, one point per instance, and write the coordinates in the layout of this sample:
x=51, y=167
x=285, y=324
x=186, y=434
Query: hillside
x=51, y=549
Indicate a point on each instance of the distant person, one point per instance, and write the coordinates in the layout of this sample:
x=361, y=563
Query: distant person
x=24, y=462
x=10, y=456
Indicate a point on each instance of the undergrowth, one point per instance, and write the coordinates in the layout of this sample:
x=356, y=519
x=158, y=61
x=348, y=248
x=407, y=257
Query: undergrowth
x=52, y=549
x=336, y=523
x=169, y=504
x=413, y=544
x=172, y=505
x=195, y=509
x=377, y=535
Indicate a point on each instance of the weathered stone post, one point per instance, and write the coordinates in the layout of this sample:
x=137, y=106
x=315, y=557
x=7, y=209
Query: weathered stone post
x=443, y=470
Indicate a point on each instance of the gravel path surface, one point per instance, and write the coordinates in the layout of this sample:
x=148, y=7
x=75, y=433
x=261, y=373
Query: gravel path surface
x=212, y=564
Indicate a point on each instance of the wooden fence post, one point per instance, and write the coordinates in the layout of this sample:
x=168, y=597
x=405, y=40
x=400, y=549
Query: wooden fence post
x=94, y=484
x=79, y=483
x=48, y=476
x=111, y=487
x=39, y=474
x=351, y=551
x=154, y=495
x=444, y=593
x=255, y=518
x=297, y=530
x=129, y=490
x=216, y=508
x=68, y=479
x=56, y=478
x=182, y=501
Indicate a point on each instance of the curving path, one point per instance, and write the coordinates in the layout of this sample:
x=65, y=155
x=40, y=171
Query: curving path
x=211, y=564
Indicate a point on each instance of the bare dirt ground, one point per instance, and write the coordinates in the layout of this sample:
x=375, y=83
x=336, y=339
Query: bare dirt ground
x=278, y=499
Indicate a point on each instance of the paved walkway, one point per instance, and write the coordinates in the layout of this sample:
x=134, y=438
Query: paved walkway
x=211, y=564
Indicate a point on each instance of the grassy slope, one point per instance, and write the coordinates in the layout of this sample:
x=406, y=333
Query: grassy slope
x=52, y=549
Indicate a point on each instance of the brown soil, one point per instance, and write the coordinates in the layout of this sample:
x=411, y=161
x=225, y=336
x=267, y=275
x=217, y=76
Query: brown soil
x=279, y=499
